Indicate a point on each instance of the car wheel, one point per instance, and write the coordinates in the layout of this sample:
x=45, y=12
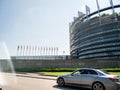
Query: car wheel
x=98, y=86
x=60, y=81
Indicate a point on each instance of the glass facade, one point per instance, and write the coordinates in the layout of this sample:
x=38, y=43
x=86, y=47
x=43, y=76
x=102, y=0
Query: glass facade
x=98, y=38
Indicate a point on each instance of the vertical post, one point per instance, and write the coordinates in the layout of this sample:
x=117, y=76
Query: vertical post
x=111, y=3
x=54, y=52
x=29, y=52
x=37, y=52
x=87, y=11
x=32, y=52
x=63, y=55
x=41, y=52
x=98, y=7
x=113, y=10
x=24, y=52
x=18, y=51
x=21, y=51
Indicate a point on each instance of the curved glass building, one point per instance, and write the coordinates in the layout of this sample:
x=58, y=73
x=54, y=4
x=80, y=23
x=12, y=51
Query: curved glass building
x=95, y=37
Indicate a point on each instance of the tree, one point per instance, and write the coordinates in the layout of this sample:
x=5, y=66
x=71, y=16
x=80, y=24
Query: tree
x=105, y=14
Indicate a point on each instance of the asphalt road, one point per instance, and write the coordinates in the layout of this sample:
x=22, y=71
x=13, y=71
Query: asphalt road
x=32, y=82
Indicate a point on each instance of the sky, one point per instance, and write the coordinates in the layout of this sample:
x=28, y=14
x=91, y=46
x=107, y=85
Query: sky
x=43, y=23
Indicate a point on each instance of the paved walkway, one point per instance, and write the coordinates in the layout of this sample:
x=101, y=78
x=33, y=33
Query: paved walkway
x=32, y=81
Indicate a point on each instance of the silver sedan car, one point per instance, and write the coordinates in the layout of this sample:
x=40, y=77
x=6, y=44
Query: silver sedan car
x=94, y=79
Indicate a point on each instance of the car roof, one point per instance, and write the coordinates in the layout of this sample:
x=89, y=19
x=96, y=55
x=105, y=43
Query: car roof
x=88, y=69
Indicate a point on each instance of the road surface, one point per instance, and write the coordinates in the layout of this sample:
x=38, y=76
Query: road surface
x=29, y=81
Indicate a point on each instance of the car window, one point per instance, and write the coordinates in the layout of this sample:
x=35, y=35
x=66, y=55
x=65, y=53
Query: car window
x=84, y=72
x=93, y=72
x=76, y=73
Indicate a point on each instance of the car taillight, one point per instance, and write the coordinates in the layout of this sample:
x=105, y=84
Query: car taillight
x=114, y=79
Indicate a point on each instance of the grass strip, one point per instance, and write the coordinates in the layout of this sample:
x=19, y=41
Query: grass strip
x=115, y=73
x=54, y=73
x=112, y=69
x=62, y=73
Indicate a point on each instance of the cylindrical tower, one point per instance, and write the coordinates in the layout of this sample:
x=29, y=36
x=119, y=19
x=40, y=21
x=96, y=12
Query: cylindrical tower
x=97, y=38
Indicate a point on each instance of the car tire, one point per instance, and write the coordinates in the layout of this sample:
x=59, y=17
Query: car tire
x=61, y=82
x=98, y=86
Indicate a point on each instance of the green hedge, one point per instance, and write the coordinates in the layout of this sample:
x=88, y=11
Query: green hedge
x=112, y=69
x=60, y=69
x=45, y=70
